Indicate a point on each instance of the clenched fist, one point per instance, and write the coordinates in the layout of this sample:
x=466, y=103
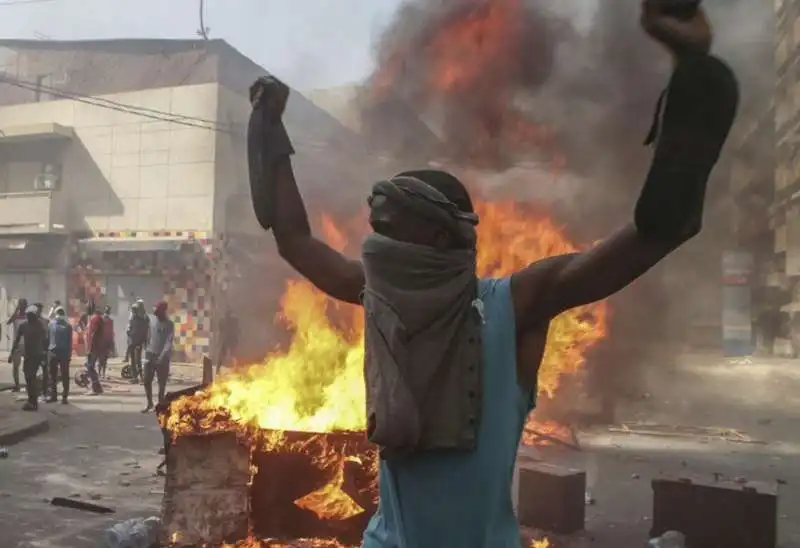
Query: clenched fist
x=680, y=25
x=270, y=94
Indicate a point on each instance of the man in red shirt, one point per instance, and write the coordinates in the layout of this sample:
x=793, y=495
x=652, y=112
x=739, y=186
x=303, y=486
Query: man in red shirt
x=94, y=345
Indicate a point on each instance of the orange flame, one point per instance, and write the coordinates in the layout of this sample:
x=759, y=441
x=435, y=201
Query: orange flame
x=316, y=384
x=510, y=238
x=485, y=36
x=473, y=67
x=330, y=501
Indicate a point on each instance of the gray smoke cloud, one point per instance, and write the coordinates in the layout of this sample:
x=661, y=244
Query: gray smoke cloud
x=586, y=70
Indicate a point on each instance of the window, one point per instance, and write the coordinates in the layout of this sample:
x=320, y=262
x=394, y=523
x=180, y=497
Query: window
x=49, y=178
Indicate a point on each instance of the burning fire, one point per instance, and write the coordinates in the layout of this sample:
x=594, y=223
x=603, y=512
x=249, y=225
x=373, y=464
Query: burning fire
x=471, y=63
x=316, y=383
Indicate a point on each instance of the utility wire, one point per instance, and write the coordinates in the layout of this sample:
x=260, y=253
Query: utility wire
x=119, y=107
x=203, y=31
x=24, y=2
x=55, y=91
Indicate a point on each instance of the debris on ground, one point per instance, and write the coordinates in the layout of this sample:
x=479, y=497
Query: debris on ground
x=81, y=505
x=684, y=431
x=539, y=436
x=670, y=539
x=134, y=533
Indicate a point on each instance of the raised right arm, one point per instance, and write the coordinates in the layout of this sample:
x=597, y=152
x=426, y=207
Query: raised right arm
x=279, y=206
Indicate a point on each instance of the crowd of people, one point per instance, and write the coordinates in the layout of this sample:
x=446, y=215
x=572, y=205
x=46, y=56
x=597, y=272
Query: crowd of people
x=45, y=343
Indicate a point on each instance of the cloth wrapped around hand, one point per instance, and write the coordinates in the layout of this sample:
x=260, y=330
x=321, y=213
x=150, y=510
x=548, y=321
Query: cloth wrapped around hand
x=267, y=140
x=693, y=118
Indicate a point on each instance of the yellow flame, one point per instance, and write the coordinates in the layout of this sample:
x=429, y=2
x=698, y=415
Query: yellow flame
x=330, y=502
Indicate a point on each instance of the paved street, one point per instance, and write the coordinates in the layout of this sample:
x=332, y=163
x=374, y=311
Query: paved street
x=100, y=449
x=103, y=450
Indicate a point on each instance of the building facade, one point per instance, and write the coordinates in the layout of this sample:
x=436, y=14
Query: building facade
x=123, y=175
x=765, y=187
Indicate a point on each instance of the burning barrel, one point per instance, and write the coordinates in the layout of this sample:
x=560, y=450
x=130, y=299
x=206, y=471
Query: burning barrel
x=314, y=486
x=228, y=486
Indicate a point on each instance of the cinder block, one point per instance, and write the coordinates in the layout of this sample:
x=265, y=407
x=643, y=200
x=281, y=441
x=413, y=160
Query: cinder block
x=206, y=491
x=716, y=514
x=551, y=498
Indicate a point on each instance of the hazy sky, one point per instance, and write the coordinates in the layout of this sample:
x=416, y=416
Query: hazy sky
x=309, y=43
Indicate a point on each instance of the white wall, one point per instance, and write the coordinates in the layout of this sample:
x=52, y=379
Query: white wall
x=234, y=212
x=128, y=172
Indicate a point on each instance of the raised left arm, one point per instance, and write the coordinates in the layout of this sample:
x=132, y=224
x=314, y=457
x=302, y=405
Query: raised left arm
x=550, y=286
x=690, y=129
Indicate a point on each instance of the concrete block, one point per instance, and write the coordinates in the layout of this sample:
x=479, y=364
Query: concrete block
x=206, y=491
x=551, y=498
x=716, y=514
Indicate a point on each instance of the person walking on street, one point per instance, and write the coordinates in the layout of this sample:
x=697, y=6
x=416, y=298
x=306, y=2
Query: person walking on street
x=158, y=355
x=94, y=346
x=138, y=332
x=52, y=314
x=15, y=321
x=44, y=366
x=127, y=358
x=59, y=355
x=108, y=346
x=229, y=338
x=32, y=338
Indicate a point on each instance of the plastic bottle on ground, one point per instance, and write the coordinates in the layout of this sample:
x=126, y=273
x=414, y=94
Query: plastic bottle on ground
x=670, y=539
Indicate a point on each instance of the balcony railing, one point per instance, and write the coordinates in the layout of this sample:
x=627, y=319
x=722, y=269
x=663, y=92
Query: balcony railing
x=34, y=212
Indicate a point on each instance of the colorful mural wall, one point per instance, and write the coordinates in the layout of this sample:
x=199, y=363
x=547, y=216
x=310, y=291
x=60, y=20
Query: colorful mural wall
x=188, y=276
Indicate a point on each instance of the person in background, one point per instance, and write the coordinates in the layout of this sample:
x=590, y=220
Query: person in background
x=138, y=332
x=52, y=314
x=83, y=320
x=32, y=338
x=15, y=321
x=158, y=354
x=60, y=354
x=127, y=358
x=94, y=347
x=82, y=327
x=45, y=369
x=107, y=348
x=229, y=338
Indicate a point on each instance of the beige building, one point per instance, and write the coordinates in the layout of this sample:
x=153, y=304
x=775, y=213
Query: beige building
x=123, y=175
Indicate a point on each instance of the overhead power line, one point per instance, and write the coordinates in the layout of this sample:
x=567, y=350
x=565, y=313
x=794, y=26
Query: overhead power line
x=203, y=30
x=24, y=2
x=144, y=112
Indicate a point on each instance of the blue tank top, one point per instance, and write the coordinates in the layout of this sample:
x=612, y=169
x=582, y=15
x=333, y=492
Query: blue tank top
x=463, y=499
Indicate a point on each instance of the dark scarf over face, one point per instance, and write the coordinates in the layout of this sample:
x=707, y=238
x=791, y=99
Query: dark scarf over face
x=422, y=337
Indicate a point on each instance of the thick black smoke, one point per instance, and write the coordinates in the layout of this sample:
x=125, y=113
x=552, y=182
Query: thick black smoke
x=587, y=70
